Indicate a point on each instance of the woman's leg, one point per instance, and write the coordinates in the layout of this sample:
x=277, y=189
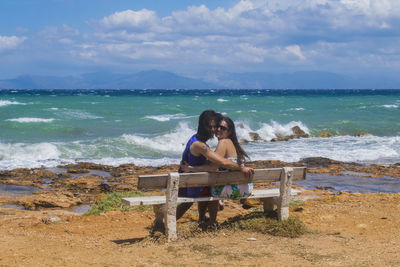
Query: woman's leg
x=182, y=208
x=202, y=208
x=213, y=210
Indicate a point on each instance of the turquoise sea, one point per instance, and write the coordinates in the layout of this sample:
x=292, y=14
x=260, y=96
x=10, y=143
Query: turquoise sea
x=151, y=127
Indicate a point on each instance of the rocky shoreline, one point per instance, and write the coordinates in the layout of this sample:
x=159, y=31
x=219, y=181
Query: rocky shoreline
x=83, y=183
x=346, y=229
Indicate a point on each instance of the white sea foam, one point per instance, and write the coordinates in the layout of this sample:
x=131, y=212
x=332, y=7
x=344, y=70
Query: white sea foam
x=29, y=120
x=344, y=148
x=7, y=103
x=53, y=108
x=222, y=100
x=167, y=117
x=79, y=114
x=297, y=109
x=173, y=142
x=22, y=155
x=390, y=106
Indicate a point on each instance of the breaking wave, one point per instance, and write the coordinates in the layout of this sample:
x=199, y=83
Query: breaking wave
x=166, y=148
x=7, y=103
x=28, y=120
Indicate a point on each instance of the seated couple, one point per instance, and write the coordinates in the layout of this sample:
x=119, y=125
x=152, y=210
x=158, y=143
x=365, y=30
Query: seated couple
x=198, y=156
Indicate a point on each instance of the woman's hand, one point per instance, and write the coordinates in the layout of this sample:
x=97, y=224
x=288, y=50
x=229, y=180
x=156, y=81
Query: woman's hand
x=247, y=171
x=185, y=167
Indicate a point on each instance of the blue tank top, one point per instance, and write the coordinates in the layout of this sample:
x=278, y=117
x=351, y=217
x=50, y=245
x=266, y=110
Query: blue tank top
x=188, y=157
x=193, y=160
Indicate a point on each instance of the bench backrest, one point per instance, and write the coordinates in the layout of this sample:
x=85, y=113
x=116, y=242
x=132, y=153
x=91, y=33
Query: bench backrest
x=218, y=178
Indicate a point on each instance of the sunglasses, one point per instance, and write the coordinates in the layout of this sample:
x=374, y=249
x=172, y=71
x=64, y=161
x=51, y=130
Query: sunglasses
x=223, y=128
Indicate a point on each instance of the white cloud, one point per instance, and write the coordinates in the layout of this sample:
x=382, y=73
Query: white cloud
x=295, y=50
x=10, y=42
x=131, y=20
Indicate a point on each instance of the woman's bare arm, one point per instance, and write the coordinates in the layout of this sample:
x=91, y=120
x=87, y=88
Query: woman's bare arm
x=201, y=148
x=210, y=167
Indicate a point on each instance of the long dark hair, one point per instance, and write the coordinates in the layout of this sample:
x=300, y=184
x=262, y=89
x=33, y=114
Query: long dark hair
x=203, y=130
x=241, y=154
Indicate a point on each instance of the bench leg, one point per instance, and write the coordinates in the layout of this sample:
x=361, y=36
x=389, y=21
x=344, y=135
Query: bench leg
x=285, y=187
x=171, y=203
x=268, y=204
x=159, y=211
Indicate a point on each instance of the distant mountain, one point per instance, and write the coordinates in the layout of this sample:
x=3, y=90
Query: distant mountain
x=302, y=80
x=152, y=79
x=155, y=79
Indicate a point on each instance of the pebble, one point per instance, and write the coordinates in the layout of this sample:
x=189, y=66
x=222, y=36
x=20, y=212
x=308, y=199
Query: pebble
x=251, y=239
x=51, y=219
x=361, y=226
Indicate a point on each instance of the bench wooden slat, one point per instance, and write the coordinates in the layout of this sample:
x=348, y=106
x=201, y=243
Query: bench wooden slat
x=218, y=178
x=156, y=200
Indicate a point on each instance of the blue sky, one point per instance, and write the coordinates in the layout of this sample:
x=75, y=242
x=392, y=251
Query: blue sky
x=199, y=38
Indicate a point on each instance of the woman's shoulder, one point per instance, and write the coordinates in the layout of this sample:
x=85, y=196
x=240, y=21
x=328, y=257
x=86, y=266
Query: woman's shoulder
x=225, y=141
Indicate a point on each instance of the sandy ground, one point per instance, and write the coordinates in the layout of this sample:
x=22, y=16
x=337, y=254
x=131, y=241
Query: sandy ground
x=347, y=230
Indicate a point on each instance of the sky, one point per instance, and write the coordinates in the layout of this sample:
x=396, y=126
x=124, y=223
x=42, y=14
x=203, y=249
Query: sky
x=197, y=38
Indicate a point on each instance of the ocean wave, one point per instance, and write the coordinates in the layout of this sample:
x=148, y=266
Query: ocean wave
x=7, y=103
x=79, y=114
x=173, y=142
x=29, y=120
x=222, y=100
x=390, y=106
x=167, y=117
x=22, y=155
x=168, y=148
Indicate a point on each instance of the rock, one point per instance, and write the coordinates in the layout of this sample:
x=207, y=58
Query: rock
x=251, y=239
x=87, y=183
x=299, y=133
x=73, y=170
x=255, y=136
x=280, y=138
x=358, y=134
x=243, y=141
x=324, y=187
x=105, y=188
x=49, y=200
x=318, y=161
x=324, y=134
x=51, y=219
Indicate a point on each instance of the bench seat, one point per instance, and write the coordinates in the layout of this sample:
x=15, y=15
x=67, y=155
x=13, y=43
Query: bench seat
x=157, y=200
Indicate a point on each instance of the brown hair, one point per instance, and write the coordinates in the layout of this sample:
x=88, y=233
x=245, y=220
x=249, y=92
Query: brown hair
x=241, y=154
x=203, y=130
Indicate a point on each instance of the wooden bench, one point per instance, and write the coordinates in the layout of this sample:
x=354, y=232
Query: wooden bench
x=165, y=206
